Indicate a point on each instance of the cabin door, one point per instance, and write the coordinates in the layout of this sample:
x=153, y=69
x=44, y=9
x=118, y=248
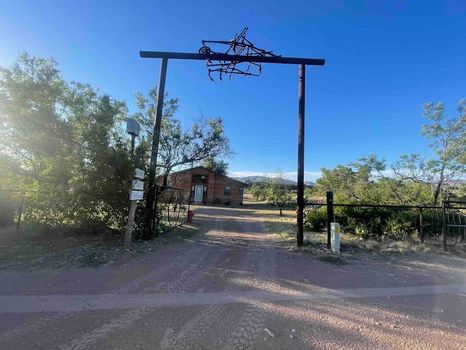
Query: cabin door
x=198, y=193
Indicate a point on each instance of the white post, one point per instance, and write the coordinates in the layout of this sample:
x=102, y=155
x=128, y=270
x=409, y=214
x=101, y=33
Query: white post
x=335, y=235
x=136, y=193
x=130, y=225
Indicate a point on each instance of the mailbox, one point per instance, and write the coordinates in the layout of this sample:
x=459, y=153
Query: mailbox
x=132, y=127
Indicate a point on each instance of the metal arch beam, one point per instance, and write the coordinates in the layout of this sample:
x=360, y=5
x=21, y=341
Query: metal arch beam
x=302, y=62
x=234, y=58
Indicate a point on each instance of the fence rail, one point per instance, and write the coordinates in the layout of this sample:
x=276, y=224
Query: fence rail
x=441, y=220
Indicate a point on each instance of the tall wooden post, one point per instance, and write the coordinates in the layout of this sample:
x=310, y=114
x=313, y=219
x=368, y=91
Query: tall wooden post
x=330, y=217
x=151, y=200
x=444, y=226
x=132, y=145
x=421, y=224
x=301, y=96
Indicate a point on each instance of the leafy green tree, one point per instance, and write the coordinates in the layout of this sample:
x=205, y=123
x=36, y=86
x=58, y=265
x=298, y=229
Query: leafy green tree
x=258, y=191
x=385, y=187
x=204, y=139
x=278, y=193
x=215, y=165
x=347, y=183
x=61, y=145
x=446, y=138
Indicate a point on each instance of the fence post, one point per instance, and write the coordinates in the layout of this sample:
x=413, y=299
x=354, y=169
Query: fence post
x=130, y=225
x=421, y=224
x=444, y=226
x=330, y=216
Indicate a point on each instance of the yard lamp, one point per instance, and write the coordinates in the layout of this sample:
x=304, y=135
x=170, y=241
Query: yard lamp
x=132, y=128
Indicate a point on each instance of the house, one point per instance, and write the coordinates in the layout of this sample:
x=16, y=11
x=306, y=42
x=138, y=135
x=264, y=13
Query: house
x=208, y=187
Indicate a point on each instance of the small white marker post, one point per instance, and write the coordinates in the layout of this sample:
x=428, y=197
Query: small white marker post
x=136, y=194
x=335, y=235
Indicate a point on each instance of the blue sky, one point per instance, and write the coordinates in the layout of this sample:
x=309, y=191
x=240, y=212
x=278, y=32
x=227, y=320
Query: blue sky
x=384, y=60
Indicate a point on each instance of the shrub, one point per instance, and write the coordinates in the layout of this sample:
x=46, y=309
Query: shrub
x=365, y=222
x=401, y=225
x=316, y=219
x=378, y=222
x=8, y=205
x=397, y=229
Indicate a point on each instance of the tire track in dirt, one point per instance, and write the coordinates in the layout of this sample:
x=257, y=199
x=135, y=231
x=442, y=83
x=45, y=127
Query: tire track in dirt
x=42, y=322
x=252, y=322
x=196, y=328
x=250, y=325
x=184, y=282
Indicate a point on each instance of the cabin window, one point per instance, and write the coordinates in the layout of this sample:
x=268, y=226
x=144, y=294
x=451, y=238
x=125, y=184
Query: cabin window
x=227, y=191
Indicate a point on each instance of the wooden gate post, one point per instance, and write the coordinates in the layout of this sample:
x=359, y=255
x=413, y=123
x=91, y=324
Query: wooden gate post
x=444, y=226
x=330, y=216
x=152, y=191
x=421, y=224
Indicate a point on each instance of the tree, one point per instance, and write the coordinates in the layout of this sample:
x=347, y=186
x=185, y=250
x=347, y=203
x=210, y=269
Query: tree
x=215, y=165
x=60, y=143
x=385, y=187
x=368, y=180
x=446, y=138
x=348, y=184
x=278, y=193
x=258, y=191
x=412, y=179
x=204, y=139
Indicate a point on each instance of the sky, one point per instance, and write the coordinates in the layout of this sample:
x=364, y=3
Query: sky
x=384, y=60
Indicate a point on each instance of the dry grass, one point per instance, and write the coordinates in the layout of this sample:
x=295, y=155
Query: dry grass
x=33, y=248
x=351, y=245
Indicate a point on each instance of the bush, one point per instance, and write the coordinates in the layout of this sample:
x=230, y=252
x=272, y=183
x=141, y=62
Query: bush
x=368, y=222
x=8, y=205
x=365, y=222
x=316, y=219
x=378, y=222
x=401, y=226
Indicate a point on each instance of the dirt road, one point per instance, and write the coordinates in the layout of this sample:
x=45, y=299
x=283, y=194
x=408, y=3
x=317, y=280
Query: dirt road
x=237, y=286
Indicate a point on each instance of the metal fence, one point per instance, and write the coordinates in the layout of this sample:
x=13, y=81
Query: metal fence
x=446, y=222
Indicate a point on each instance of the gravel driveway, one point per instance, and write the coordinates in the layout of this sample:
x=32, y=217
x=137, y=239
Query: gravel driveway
x=237, y=286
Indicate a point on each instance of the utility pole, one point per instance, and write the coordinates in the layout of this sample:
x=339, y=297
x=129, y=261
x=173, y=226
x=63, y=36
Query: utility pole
x=151, y=197
x=302, y=98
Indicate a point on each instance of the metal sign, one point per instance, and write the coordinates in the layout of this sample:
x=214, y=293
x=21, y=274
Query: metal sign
x=136, y=195
x=138, y=185
x=139, y=173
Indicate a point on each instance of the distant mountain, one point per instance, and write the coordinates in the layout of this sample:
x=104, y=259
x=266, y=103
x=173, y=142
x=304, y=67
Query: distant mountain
x=259, y=179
